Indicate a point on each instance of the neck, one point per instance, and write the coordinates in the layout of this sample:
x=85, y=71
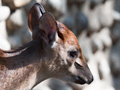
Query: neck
x=19, y=69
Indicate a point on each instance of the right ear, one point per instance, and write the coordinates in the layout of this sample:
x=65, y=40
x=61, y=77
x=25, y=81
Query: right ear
x=34, y=15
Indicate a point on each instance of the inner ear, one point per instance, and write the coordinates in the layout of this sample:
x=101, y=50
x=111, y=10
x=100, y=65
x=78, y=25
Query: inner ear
x=48, y=27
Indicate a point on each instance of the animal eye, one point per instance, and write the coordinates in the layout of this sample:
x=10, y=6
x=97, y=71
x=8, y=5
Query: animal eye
x=73, y=54
x=77, y=65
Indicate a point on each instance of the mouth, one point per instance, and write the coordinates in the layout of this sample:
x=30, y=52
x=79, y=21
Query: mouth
x=80, y=80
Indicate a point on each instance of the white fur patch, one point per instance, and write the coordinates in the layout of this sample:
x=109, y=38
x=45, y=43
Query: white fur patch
x=54, y=43
x=79, y=61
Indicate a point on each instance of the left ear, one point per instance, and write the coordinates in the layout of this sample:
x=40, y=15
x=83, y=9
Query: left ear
x=34, y=15
x=48, y=27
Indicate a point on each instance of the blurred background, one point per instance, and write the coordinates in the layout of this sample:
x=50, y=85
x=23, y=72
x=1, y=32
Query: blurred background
x=96, y=23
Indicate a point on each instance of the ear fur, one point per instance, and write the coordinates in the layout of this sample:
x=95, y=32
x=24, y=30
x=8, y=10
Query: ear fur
x=33, y=18
x=42, y=24
x=48, y=26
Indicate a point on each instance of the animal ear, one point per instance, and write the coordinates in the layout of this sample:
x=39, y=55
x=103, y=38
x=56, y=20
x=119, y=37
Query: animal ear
x=33, y=18
x=48, y=27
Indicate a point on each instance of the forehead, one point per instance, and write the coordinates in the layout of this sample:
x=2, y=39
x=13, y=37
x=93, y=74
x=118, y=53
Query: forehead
x=67, y=36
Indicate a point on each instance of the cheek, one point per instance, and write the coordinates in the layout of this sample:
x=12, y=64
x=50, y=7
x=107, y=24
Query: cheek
x=69, y=62
x=63, y=56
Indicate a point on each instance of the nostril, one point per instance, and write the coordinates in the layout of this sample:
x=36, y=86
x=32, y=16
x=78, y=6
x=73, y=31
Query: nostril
x=84, y=80
x=87, y=81
x=91, y=79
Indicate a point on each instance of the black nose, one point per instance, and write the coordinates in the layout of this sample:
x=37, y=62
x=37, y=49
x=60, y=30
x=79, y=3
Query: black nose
x=88, y=81
x=81, y=80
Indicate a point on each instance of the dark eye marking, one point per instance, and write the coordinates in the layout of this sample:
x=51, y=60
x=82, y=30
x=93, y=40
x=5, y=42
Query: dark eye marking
x=73, y=54
x=78, y=66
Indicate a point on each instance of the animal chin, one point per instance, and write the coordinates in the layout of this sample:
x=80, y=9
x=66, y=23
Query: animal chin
x=80, y=80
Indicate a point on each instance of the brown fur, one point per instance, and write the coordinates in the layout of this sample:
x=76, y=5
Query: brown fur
x=46, y=56
x=68, y=38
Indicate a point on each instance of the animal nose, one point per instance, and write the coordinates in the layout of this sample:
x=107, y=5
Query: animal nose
x=88, y=81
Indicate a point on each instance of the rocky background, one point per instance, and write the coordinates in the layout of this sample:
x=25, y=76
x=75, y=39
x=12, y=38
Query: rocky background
x=96, y=23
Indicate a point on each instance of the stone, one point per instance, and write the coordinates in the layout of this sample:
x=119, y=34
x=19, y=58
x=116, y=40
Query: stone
x=116, y=5
x=43, y=85
x=115, y=59
x=115, y=32
x=85, y=44
x=75, y=2
x=17, y=20
x=69, y=22
x=102, y=39
x=20, y=3
x=39, y=1
x=0, y=2
x=5, y=45
x=114, y=37
x=103, y=66
x=3, y=30
x=53, y=84
x=28, y=6
x=58, y=5
x=76, y=22
x=94, y=46
x=99, y=85
x=94, y=24
x=4, y=12
x=104, y=36
x=59, y=85
x=96, y=41
x=116, y=15
x=20, y=37
x=24, y=34
x=94, y=3
x=105, y=13
x=9, y=3
x=81, y=22
x=15, y=41
x=115, y=63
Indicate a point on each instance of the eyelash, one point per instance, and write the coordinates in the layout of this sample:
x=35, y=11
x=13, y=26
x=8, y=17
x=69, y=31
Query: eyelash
x=73, y=54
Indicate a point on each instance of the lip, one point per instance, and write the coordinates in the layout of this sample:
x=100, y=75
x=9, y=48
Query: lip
x=80, y=80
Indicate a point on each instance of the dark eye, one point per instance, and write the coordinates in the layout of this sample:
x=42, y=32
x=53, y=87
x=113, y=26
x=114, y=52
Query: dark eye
x=78, y=66
x=73, y=54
